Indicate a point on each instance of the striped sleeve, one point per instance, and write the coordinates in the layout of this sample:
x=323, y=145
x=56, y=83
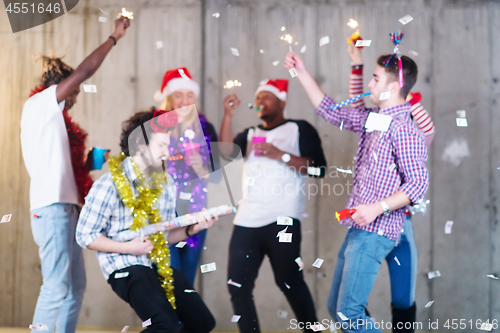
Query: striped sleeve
x=424, y=122
x=356, y=86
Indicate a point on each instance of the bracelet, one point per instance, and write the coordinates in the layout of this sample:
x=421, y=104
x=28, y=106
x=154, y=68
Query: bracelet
x=187, y=230
x=113, y=38
x=355, y=67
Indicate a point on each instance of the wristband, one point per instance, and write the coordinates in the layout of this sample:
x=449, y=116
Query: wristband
x=187, y=230
x=355, y=67
x=113, y=39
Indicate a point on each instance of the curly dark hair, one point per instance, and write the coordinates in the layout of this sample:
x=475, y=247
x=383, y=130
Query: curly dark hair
x=53, y=69
x=130, y=135
x=410, y=70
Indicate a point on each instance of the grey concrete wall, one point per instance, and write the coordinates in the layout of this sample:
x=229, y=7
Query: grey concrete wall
x=457, y=45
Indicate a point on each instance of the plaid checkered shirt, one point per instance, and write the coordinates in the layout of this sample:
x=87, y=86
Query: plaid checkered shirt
x=105, y=214
x=386, y=162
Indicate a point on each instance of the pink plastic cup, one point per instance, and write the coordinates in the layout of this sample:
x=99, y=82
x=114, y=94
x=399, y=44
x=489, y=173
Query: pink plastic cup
x=191, y=149
x=257, y=139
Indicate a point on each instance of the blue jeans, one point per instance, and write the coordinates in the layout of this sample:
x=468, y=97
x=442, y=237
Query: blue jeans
x=404, y=276
x=187, y=258
x=63, y=269
x=357, y=266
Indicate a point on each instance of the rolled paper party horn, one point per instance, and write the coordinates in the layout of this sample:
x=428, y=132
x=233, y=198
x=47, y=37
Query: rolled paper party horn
x=344, y=213
x=258, y=139
x=98, y=157
x=349, y=101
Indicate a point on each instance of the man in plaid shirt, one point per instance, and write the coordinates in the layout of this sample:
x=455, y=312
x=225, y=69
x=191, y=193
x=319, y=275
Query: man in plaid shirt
x=390, y=174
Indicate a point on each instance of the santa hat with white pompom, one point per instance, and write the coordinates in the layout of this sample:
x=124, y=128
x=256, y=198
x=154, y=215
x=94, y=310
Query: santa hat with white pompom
x=175, y=79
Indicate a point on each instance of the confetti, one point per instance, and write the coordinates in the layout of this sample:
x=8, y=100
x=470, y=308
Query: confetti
x=208, y=267
x=180, y=245
x=303, y=49
x=129, y=15
x=102, y=19
x=121, y=275
x=235, y=318
x=185, y=196
x=324, y=40
x=283, y=313
x=352, y=24
x=275, y=63
x=216, y=15
x=282, y=231
x=146, y=323
x=318, y=327
x=318, y=263
x=364, y=42
x=102, y=11
x=39, y=327
x=314, y=171
x=434, y=274
x=447, y=227
x=461, y=122
x=344, y=171
x=413, y=53
x=406, y=19
x=285, y=220
x=189, y=291
x=392, y=166
x=125, y=329
x=89, y=88
x=230, y=84
x=385, y=96
x=286, y=237
x=486, y=326
x=261, y=51
x=235, y=51
x=292, y=72
x=341, y=315
x=249, y=181
x=299, y=262
x=396, y=258
x=377, y=122
x=159, y=44
x=231, y=282
x=341, y=125
x=492, y=276
x=6, y=218
x=428, y=305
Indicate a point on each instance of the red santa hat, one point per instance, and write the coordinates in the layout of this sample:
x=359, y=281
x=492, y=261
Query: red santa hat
x=175, y=79
x=278, y=87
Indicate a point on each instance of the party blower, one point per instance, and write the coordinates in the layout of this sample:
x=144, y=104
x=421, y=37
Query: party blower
x=344, y=213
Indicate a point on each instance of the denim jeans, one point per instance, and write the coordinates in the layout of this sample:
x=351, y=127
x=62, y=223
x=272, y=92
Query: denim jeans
x=187, y=258
x=63, y=269
x=403, y=276
x=357, y=266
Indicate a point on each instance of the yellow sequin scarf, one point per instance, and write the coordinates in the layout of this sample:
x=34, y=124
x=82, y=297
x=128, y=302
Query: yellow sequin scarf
x=144, y=210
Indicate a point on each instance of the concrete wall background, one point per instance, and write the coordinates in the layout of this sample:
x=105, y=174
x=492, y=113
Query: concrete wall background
x=457, y=45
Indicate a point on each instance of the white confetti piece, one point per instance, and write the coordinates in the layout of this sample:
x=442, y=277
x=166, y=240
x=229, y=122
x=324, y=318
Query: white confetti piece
x=299, y=262
x=6, y=218
x=235, y=318
x=159, y=44
x=249, y=181
x=318, y=262
x=282, y=231
x=275, y=63
x=344, y=171
x=283, y=313
x=392, y=166
x=364, y=42
x=287, y=286
x=428, y=305
x=146, y=323
x=89, y=88
x=385, y=96
x=39, y=327
x=125, y=329
x=413, y=53
x=293, y=72
x=462, y=122
x=447, y=227
x=235, y=51
x=406, y=19
x=180, y=245
x=314, y=171
x=491, y=276
x=486, y=326
x=185, y=196
x=341, y=315
x=285, y=237
x=121, y=275
x=102, y=11
x=231, y=282
x=189, y=291
x=303, y=49
x=102, y=19
x=216, y=15
x=396, y=259
x=434, y=274
x=208, y=267
x=261, y=51
x=318, y=327
x=341, y=125
x=324, y=40
x=377, y=122
x=284, y=220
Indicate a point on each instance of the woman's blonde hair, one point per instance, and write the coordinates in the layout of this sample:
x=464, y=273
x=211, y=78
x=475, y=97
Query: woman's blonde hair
x=167, y=105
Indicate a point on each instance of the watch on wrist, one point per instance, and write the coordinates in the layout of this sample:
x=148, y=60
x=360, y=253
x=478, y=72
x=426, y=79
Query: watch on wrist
x=385, y=207
x=286, y=157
